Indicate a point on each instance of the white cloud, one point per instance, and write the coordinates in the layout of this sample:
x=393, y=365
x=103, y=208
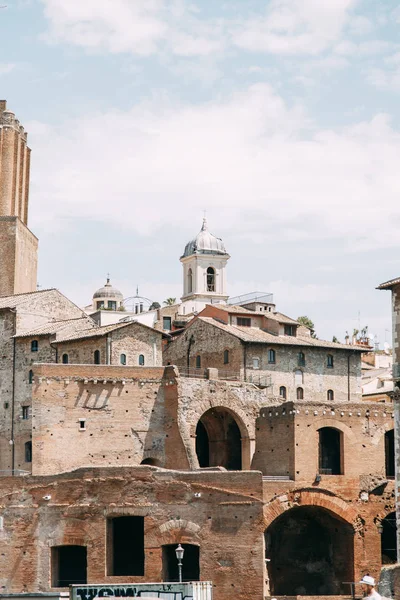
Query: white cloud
x=6, y=68
x=141, y=27
x=295, y=27
x=248, y=158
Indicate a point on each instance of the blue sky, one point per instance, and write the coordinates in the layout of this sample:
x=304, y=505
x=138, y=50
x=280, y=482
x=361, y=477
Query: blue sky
x=279, y=117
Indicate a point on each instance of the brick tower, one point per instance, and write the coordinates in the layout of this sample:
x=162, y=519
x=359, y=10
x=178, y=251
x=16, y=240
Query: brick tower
x=18, y=245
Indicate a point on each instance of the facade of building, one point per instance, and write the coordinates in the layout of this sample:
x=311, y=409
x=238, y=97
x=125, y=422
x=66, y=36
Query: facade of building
x=268, y=349
x=394, y=287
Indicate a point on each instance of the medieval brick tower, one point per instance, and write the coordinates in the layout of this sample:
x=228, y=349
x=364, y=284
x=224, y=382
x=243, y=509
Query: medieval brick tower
x=18, y=245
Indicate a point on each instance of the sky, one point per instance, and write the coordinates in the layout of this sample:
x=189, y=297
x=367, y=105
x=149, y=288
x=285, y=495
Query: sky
x=280, y=118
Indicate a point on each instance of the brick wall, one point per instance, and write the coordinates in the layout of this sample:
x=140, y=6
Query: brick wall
x=220, y=512
x=122, y=409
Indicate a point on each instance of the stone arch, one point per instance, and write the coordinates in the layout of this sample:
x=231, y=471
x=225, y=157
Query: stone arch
x=307, y=497
x=175, y=531
x=218, y=436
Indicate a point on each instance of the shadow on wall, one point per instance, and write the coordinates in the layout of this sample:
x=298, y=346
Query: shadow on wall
x=311, y=552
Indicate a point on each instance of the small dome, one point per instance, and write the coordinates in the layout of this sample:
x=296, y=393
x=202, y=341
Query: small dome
x=205, y=243
x=108, y=291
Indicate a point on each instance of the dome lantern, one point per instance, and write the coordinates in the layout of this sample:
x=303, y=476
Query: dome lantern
x=107, y=297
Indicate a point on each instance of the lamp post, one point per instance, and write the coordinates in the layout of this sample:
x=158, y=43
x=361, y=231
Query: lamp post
x=179, y=551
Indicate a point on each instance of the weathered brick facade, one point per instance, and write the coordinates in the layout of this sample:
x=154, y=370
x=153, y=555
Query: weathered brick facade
x=219, y=512
x=151, y=414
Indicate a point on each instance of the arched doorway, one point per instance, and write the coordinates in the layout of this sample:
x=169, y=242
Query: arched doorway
x=218, y=440
x=311, y=553
x=389, y=539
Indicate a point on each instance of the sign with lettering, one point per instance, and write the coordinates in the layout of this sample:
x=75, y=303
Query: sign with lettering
x=195, y=590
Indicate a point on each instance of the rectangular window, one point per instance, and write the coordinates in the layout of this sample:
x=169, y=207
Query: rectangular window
x=256, y=363
x=25, y=412
x=82, y=424
x=290, y=330
x=329, y=361
x=100, y=304
x=243, y=322
x=125, y=546
x=112, y=305
x=271, y=356
x=167, y=323
x=68, y=565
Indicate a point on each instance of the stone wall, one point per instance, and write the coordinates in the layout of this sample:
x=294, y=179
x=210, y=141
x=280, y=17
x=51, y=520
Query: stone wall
x=315, y=377
x=132, y=340
x=16, y=360
x=209, y=343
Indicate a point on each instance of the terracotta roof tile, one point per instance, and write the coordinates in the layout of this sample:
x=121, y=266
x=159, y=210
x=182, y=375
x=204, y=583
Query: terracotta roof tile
x=253, y=334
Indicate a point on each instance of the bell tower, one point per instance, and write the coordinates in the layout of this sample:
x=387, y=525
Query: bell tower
x=18, y=245
x=204, y=272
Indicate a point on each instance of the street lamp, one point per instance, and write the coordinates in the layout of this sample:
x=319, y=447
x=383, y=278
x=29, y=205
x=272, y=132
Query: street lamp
x=179, y=551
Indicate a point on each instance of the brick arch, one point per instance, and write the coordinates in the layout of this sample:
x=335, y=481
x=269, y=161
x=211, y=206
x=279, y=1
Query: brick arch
x=175, y=531
x=340, y=425
x=245, y=423
x=306, y=497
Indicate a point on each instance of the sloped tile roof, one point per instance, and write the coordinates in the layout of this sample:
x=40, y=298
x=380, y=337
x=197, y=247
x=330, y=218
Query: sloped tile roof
x=253, y=334
x=18, y=299
x=59, y=327
x=388, y=284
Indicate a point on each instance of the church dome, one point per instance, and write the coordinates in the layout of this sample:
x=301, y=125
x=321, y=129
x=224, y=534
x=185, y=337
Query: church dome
x=205, y=243
x=108, y=291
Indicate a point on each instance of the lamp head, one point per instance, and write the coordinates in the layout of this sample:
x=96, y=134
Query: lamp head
x=179, y=551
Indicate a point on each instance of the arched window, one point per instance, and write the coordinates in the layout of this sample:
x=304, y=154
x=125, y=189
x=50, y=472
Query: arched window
x=300, y=393
x=282, y=392
x=330, y=451
x=198, y=361
x=141, y=360
x=122, y=359
x=330, y=395
x=271, y=356
x=65, y=359
x=210, y=279
x=226, y=357
x=389, y=454
x=329, y=361
x=31, y=376
x=190, y=281
x=34, y=346
x=97, y=357
x=28, y=452
x=301, y=361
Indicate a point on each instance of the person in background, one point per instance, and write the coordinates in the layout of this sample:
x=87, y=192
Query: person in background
x=368, y=583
